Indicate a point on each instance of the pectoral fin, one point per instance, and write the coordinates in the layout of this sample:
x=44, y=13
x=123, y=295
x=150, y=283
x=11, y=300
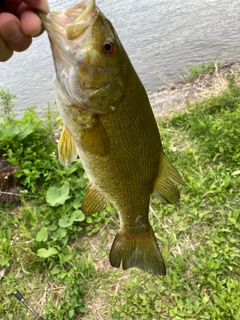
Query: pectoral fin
x=95, y=140
x=67, y=151
x=165, y=188
x=93, y=201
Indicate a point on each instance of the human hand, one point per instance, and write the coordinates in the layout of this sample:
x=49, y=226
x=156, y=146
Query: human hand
x=18, y=24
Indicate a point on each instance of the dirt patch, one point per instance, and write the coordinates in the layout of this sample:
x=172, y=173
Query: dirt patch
x=97, y=300
x=173, y=97
x=9, y=184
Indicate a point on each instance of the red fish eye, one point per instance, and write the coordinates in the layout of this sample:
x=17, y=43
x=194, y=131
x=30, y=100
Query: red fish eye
x=108, y=47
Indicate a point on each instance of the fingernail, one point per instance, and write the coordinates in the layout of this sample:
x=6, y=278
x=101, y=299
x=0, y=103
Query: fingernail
x=41, y=5
x=36, y=32
x=45, y=7
x=10, y=31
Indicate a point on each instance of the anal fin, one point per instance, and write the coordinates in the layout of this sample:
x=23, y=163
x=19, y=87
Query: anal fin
x=93, y=201
x=165, y=188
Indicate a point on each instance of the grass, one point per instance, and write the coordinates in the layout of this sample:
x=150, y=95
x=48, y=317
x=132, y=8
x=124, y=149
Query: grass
x=202, y=70
x=61, y=265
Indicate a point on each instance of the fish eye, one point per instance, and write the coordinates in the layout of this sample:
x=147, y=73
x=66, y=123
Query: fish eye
x=108, y=47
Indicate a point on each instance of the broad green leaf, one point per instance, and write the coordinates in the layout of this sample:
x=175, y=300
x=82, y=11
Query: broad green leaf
x=232, y=221
x=55, y=270
x=46, y=253
x=65, y=222
x=56, y=196
x=42, y=235
x=25, y=130
x=61, y=233
x=89, y=220
x=236, y=173
x=219, y=301
x=71, y=313
x=205, y=299
x=52, y=227
x=77, y=202
x=78, y=215
x=21, y=131
x=9, y=131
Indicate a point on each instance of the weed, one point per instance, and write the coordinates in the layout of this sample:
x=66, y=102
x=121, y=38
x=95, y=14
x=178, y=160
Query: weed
x=7, y=104
x=200, y=71
x=36, y=238
x=204, y=68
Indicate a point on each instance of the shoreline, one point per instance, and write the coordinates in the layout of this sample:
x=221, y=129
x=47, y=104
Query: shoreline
x=172, y=98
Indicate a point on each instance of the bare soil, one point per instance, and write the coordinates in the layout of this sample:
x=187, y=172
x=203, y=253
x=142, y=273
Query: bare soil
x=173, y=97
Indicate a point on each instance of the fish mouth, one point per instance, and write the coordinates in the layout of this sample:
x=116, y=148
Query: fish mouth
x=69, y=31
x=70, y=23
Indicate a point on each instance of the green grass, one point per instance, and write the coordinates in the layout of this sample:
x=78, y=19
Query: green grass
x=200, y=71
x=58, y=258
x=206, y=67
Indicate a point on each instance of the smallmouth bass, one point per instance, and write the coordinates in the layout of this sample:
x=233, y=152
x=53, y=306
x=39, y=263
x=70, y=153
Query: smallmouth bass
x=109, y=123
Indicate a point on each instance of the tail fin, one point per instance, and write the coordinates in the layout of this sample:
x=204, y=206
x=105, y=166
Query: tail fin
x=137, y=250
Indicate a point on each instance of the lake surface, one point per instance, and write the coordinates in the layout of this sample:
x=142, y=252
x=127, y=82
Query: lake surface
x=163, y=39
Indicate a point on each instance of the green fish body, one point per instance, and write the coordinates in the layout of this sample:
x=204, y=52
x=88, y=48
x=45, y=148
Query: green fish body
x=109, y=123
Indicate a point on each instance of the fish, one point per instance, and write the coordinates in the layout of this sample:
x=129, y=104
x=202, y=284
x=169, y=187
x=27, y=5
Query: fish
x=109, y=123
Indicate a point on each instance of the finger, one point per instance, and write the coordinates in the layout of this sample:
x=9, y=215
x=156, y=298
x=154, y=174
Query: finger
x=10, y=31
x=38, y=4
x=11, y=5
x=5, y=52
x=30, y=22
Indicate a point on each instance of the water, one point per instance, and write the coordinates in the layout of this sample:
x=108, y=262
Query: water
x=163, y=39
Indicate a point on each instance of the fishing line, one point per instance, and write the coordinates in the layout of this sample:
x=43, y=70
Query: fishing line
x=20, y=298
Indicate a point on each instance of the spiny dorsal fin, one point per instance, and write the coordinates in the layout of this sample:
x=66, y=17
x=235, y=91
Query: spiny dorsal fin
x=165, y=188
x=67, y=151
x=93, y=201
